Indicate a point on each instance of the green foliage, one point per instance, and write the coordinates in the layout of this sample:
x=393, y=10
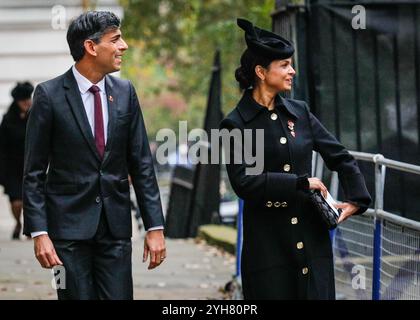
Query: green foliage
x=172, y=44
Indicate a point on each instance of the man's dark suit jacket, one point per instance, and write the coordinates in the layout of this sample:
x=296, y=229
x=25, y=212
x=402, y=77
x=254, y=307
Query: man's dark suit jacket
x=66, y=185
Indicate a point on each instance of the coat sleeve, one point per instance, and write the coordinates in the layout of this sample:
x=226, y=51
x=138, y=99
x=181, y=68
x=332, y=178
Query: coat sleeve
x=337, y=158
x=259, y=188
x=37, y=151
x=141, y=170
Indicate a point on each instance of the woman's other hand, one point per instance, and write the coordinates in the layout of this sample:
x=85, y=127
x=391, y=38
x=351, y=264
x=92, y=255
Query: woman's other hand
x=316, y=184
x=348, y=210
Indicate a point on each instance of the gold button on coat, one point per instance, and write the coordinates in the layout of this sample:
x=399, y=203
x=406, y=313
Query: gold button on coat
x=294, y=220
x=299, y=245
x=286, y=167
x=269, y=204
x=273, y=116
x=277, y=204
x=305, y=270
x=284, y=204
x=283, y=140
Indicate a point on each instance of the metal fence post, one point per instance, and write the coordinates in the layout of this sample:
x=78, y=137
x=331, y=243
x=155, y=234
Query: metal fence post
x=377, y=237
x=239, y=238
x=334, y=193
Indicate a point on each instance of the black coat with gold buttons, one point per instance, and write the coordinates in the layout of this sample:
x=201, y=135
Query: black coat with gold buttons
x=286, y=250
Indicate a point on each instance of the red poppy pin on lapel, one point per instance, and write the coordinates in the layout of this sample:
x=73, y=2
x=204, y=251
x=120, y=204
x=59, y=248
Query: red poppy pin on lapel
x=291, y=127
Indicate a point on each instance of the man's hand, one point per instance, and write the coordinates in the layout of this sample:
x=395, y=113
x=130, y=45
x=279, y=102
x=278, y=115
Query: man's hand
x=348, y=210
x=154, y=243
x=45, y=252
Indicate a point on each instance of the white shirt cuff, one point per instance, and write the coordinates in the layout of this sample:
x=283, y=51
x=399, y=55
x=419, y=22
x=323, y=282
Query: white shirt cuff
x=155, y=228
x=38, y=233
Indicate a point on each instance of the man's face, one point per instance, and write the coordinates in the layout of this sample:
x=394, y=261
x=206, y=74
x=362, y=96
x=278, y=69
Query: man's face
x=110, y=50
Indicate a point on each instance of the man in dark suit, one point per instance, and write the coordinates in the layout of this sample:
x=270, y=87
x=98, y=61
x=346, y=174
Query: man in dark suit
x=85, y=136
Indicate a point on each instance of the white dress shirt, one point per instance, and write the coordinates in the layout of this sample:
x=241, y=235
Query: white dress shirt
x=89, y=103
x=89, y=100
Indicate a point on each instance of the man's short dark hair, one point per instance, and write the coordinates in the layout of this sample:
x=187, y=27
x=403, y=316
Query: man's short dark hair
x=89, y=25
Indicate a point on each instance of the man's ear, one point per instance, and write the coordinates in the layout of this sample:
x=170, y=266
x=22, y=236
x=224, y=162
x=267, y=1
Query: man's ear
x=90, y=47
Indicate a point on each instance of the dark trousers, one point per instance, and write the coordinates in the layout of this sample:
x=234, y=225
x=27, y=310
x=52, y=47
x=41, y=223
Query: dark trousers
x=99, y=268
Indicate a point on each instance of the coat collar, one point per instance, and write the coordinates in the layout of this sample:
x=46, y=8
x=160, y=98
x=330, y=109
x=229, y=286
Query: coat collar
x=249, y=108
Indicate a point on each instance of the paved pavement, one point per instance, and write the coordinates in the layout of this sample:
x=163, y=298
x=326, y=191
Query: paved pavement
x=192, y=270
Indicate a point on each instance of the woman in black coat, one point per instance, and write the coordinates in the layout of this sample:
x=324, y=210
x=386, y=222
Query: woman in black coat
x=12, y=146
x=286, y=250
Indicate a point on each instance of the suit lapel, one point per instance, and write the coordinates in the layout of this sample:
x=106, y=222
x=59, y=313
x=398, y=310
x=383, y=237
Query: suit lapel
x=75, y=101
x=112, y=100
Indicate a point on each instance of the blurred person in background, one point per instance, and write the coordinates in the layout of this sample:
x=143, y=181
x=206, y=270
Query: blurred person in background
x=12, y=147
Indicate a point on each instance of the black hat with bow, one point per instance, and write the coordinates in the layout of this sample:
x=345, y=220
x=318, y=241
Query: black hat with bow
x=265, y=43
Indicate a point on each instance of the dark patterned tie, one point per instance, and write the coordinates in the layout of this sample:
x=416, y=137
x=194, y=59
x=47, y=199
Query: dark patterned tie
x=99, y=122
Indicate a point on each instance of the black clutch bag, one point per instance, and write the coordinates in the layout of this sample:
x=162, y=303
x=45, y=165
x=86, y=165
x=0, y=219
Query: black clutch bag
x=328, y=214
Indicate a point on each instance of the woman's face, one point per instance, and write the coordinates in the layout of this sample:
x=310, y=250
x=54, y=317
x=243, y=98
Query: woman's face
x=279, y=75
x=24, y=105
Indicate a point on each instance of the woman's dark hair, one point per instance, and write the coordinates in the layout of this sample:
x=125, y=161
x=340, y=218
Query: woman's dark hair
x=89, y=25
x=245, y=74
x=22, y=91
